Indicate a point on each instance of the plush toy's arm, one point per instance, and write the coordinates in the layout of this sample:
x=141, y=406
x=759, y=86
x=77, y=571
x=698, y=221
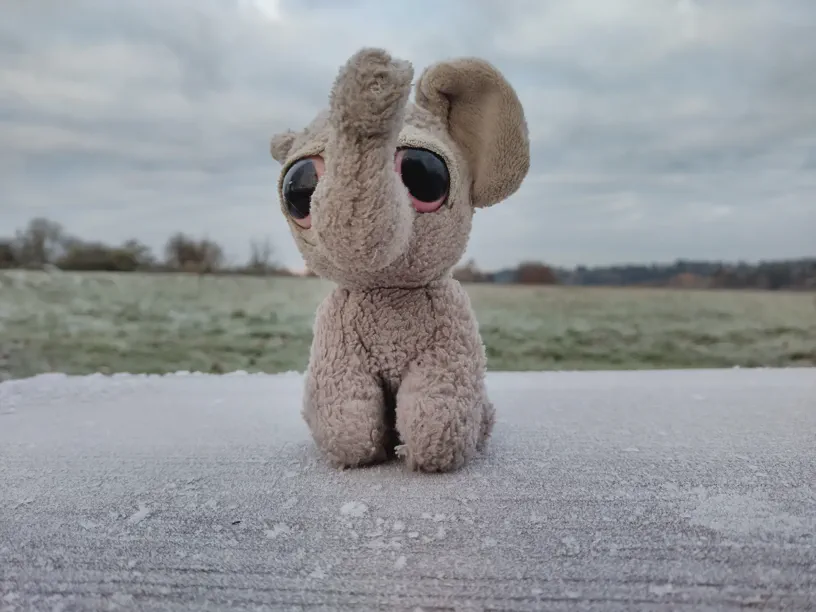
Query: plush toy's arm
x=343, y=402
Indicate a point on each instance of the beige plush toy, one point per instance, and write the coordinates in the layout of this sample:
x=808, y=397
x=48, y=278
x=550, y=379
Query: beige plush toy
x=379, y=194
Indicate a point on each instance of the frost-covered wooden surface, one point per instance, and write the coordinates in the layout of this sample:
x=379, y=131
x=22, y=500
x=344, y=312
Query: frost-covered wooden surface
x=607, y=491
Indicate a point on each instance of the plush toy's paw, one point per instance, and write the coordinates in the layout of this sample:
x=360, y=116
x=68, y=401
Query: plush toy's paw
x=350, y=434
x=370, y=94
x=439, y=433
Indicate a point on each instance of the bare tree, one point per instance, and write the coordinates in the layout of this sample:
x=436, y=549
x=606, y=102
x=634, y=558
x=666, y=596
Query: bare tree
x=42, y=242
x=140, y=252
x=201, y=256
x=261, y=260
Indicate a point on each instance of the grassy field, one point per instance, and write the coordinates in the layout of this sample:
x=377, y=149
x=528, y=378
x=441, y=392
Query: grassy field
x=85, y=323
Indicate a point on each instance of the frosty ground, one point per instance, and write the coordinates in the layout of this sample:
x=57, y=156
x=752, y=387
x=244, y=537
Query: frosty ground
x=599, y=491
x=97, y=322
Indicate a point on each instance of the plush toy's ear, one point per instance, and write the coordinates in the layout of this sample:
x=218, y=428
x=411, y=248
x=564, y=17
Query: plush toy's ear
x=485, y=118
x=281, y=144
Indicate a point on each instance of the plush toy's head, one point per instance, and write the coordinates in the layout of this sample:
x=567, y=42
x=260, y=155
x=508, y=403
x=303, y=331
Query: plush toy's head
x=380, y=192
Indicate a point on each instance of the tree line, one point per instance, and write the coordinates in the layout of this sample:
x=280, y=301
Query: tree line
x=45, y=243
x=797, y=274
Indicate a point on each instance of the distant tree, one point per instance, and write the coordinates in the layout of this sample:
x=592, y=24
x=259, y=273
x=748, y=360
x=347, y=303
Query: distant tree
x=190, y=255
x=42, y=242
x=261, y=257
x=95, y=256
x=470, y=273
x=129, y=257
x=535, y=273
x=141, y=253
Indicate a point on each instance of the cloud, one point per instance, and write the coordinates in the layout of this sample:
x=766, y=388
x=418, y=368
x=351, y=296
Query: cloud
x=660, y=128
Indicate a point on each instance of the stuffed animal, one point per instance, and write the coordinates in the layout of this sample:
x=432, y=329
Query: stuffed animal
x=379, y=194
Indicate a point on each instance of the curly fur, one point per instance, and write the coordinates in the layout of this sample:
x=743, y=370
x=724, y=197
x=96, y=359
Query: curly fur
x=397, y=364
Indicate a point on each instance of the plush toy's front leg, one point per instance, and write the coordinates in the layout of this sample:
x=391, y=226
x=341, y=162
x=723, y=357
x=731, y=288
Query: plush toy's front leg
x=344, y=403
x=443, y=413
x=344, y=407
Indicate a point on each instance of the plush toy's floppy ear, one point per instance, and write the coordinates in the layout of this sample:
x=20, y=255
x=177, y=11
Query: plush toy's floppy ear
x=485, y=118
x=281, y=144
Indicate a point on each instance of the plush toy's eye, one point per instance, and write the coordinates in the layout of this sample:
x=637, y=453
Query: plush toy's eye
x=426, y=176
x=299, y=184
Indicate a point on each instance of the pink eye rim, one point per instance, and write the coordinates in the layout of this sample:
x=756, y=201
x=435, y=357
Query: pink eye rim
x=305, y=222
x=426, y=176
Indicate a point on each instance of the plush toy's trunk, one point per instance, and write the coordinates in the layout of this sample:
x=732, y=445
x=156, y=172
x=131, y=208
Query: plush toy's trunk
x=362, y=211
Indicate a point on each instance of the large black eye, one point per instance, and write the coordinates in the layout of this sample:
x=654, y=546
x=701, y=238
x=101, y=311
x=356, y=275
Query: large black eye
x=298, y=186
x=426, y=176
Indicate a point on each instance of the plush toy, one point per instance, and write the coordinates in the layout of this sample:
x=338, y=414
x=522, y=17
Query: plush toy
x=379, y=194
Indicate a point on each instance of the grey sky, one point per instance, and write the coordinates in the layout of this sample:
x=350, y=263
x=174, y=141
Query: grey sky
x=661, y=128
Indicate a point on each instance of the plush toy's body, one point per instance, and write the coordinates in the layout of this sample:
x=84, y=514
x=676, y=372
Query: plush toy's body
x=379, y=194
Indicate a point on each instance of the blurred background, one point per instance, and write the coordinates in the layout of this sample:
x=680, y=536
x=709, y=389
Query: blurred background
x=668, y=220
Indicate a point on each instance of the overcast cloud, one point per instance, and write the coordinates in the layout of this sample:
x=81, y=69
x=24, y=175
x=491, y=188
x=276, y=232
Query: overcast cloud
x=660, y=128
